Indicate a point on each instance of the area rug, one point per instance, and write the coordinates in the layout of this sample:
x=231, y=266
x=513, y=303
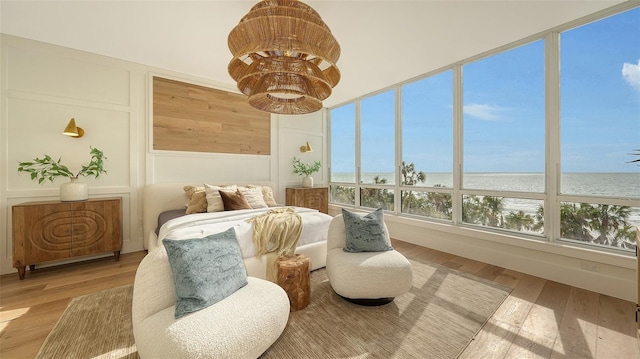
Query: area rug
x=96, y=326
x=437, y=318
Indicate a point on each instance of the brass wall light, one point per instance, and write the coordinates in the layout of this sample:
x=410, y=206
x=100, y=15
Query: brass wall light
x=72, y=130
x=284, y=57
x=306, y=148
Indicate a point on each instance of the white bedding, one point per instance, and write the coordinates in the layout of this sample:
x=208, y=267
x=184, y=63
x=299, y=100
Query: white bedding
x=315, y=226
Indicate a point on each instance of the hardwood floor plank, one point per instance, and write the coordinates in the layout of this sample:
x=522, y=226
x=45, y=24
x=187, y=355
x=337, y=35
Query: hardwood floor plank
x=493, y=341
x=540, y=327
x=579, y=326
x=515, y=309
x=616, y=329
x=539, y=319
x=490, y=272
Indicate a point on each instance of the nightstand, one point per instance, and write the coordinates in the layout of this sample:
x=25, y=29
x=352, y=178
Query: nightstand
x=313, y=197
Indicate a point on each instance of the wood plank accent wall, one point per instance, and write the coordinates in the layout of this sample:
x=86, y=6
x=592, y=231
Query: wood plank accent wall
x=187, y=117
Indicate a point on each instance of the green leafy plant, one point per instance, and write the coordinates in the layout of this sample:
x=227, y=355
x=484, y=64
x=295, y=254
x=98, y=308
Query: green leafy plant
x=300, y=168
x=47, y=168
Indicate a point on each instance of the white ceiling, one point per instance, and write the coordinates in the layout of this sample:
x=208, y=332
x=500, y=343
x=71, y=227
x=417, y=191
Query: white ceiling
x=383, y=42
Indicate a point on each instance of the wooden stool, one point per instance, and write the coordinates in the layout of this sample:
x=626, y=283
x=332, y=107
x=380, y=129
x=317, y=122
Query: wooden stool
x=293, y=277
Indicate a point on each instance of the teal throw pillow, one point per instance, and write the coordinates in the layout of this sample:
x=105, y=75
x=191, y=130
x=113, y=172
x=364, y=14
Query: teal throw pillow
x=205, y=270
x=365, y=233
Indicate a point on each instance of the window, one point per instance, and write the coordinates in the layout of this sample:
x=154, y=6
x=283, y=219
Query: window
x=427, y=129
x=377, y=158
x=343, y=155
x=489, y=166
x=427, y=146
x=504, y=121
x=599, y=128
x=377, y=138
x=504, y=139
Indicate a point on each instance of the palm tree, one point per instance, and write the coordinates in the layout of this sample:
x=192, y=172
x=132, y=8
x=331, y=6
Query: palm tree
x=441, y=203
x=492, y=208
x=519, y=221
x=409, y=178
x=574, y=221
x=538, y=226
x=486, y=211
x=608, y=219
x=343, y=194
x=376, y=197
x=409, y=175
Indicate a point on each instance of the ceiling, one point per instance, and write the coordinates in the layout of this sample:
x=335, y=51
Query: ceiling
x=383, y=42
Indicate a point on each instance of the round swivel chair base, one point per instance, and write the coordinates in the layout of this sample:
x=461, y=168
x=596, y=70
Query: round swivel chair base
x=369, y=302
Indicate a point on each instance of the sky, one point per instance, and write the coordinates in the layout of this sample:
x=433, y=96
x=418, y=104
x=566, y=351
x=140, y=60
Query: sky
x=504, y=110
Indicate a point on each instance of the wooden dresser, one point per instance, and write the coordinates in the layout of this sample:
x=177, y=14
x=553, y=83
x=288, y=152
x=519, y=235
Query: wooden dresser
x=46, y=231
x=314, y=197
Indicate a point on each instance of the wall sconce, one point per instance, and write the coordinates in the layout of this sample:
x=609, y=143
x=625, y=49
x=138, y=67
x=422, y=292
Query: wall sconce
x=72, y=130
x=306, y=148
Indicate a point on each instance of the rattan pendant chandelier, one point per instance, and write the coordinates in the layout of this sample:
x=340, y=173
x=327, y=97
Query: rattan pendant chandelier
x=284, y=57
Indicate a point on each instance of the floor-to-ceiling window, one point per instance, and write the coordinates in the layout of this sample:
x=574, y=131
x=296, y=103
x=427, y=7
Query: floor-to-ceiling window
x=599, y=128
x=377, y=154
x=503, y=139
x=427, y=146
x=343, y=155
x=535, y=140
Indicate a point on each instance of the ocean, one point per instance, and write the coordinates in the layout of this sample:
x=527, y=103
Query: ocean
x=617, y=185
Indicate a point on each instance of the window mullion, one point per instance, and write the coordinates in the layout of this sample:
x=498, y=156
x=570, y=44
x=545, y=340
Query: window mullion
x=552, y=136
x=457, y=145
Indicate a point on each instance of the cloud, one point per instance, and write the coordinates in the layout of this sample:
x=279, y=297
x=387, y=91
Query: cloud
x=484, y=112
x=631, y=74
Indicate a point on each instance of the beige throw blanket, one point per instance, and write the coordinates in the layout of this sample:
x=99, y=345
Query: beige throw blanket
x=276, y=233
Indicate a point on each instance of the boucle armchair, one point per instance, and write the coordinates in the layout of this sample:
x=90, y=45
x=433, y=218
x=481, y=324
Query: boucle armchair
x=243, y=325
x=365, y=278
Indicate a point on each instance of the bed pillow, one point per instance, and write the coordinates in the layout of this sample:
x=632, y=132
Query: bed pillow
x=196, y=199
x=234, y=200
x=166, y=216
x=214, y=201
x=205, y=270
x=254, y=196
x=267, y=194
x=365, y=233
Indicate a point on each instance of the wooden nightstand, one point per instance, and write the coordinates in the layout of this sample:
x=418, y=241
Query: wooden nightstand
x=314, y=197
x=46, y=231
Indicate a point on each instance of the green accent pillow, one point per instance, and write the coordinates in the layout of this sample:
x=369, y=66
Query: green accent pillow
x=365, y=233
x=205, y=270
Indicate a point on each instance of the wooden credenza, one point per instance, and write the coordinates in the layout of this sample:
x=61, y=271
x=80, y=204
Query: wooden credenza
x=314, y=197
x=47, y=231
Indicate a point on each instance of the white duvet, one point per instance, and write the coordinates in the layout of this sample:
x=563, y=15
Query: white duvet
x=198, y=225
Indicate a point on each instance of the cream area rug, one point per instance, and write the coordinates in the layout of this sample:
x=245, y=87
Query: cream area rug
x=437, y=318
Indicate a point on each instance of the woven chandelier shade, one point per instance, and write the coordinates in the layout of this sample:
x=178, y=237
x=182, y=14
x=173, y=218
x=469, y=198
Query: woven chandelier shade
x=284, y=57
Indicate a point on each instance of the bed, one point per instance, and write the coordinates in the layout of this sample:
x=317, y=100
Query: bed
x=160, y=199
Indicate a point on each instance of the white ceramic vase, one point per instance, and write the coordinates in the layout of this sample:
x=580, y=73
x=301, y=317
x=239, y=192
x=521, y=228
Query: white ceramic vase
x=74, y=190
x=307, y=182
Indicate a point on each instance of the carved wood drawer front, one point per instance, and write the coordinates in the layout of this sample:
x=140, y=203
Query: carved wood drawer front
x=46, y=231
x=315, y=197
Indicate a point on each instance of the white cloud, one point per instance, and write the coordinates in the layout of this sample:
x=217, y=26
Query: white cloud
x=484, y=111
x=631, y=74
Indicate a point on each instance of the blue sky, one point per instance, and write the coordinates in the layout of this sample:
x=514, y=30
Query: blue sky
x=504, y=114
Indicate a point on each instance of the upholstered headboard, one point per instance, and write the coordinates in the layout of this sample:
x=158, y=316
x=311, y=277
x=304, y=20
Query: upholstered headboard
x=160, y=197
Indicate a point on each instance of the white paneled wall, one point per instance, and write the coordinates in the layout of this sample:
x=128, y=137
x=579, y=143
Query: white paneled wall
x=42, y=86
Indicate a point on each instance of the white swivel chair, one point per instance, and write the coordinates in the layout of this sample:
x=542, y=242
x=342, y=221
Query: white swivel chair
x=365, y=278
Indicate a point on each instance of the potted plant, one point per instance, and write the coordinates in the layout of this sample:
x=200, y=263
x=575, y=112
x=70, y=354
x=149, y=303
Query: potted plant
x=45, y=168
x=300, y=168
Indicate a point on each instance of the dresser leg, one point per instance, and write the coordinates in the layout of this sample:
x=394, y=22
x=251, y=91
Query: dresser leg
x=21, y=272
x=116, y=255
x=32, y=267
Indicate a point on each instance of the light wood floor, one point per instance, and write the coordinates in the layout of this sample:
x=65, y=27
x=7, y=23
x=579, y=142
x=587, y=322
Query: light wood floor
x=540, y=319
